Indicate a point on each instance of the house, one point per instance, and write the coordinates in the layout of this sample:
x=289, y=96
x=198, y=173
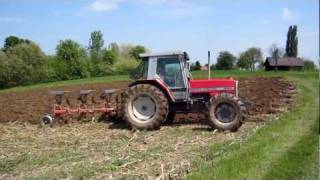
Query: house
x=204, y=68
x=285, y=64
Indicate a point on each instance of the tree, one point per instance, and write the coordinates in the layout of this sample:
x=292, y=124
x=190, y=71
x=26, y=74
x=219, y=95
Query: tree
x=109, y=57
x=30, y=53
x=4, y=71
x=275, y=51
x=115, y=48
x=95, y=45
x=309, y=65
x=244, y=61
x=292, y=42
x=195, y=66
x=225, y=60
x=71, y=53
x=12, y=41
x=136, y=51
x=255, y=56
x=69, y=50
x=31, y=56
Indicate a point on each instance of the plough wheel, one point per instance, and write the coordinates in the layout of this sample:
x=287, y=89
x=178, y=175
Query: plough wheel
x=144, y=107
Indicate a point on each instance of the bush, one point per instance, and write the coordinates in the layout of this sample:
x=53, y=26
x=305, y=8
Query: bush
x=4, y=70
x=102, y=69
x=74, y=57
x=309, y=65
x=19, y=73
x=125, y=66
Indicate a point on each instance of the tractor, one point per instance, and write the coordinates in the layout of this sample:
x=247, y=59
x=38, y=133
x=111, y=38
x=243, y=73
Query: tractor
x=164, y=87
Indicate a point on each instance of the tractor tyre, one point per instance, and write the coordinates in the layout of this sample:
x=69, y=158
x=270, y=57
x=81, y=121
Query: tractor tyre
x=170, y=117
x=225, y=112
x=144, y=107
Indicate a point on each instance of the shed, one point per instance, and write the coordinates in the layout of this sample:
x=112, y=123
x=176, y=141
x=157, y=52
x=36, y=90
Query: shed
x=285, y=64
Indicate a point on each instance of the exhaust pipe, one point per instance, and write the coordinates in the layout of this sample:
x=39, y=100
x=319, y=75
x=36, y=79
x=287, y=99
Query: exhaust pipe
x=47, y=119
x=209, y=64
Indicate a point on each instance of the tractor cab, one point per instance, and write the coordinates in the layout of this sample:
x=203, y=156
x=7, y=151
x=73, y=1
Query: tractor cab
x=171, y=68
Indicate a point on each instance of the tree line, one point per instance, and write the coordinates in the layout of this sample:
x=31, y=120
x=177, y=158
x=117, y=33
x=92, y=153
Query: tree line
x=23, y=62
x=247, y=60
x=252, y=58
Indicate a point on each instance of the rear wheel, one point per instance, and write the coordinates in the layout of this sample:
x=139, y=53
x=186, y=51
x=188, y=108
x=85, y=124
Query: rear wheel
x=170, y=117
x=225, y=113
x=144, y=107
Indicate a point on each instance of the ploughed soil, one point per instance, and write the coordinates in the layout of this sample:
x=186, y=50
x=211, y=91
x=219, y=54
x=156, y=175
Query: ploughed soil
x=110, y=151
x=267, y=95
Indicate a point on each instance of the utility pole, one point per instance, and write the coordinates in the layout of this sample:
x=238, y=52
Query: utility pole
x=209, y=70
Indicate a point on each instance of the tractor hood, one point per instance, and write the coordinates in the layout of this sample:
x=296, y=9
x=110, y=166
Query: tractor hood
x=214, y=87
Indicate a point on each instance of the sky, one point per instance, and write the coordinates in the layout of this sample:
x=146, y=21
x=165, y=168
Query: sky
x=195, y=26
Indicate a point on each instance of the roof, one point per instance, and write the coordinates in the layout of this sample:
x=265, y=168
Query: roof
x=287, y=61
x=170, y=53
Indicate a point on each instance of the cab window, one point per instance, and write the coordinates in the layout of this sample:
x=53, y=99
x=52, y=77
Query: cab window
x=169, y=70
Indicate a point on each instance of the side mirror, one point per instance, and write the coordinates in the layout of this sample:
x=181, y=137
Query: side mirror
x=186, y=56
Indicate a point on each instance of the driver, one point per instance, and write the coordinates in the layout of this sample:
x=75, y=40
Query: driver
x=162, y=74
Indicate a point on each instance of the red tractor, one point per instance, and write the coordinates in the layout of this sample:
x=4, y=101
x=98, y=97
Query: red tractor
x=165, y=87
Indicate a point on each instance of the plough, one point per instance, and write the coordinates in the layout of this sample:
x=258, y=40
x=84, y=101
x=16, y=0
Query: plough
x=59, y=110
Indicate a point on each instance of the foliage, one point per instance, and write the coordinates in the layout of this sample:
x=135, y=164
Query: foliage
x=292, y=42
x=71, y=53
x=12, y=41
x=276, y=52
x=125, y=66
x=115, y=48
x=22, y=64
x=109, y=57
x=136, y=51
x=255, y=56
x=95, y=45
x=309, y=65
x=195, y=66
x=225, y=61
x=22, y=61
x=244, y=61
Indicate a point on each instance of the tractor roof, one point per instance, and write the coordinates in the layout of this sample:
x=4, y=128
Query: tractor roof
x=171, y=53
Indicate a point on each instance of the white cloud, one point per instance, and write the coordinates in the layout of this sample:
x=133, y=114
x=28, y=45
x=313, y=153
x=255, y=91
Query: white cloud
x=287, y=14
x=105, y=5
x=172, y=8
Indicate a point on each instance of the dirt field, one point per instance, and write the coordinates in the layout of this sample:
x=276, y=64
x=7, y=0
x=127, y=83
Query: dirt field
x=268, y=95
x=107, y=150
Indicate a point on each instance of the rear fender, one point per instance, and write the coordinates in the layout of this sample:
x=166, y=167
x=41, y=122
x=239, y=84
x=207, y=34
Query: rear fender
x=159, y=84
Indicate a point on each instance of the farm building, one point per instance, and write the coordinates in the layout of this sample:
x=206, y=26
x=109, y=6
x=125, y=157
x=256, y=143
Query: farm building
x=287, y=63
x=204, y=68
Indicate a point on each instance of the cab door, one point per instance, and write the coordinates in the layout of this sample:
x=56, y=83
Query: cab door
x=170, y=70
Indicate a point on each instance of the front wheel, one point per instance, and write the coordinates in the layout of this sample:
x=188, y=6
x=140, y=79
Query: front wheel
x=225, y=113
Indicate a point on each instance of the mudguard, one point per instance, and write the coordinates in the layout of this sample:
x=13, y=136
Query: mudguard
x=159, y=84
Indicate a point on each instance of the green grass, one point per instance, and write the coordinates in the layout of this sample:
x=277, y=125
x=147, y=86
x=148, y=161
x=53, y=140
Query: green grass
x=285, y=149
x=68, y=83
